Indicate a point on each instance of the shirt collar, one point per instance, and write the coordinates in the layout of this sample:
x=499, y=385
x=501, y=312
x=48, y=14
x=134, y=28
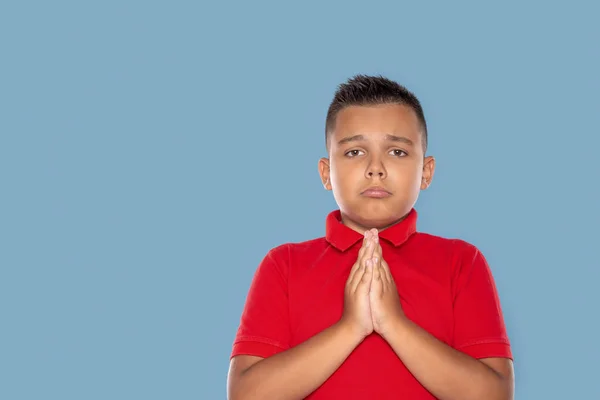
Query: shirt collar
x=342, y=237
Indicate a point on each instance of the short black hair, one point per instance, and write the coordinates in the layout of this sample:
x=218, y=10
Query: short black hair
x=365, y=90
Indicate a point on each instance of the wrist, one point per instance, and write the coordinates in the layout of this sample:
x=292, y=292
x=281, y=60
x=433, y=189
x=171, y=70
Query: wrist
x=350, y=331
x=395, y=327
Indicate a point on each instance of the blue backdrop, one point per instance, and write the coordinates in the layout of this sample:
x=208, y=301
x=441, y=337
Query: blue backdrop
x=151, y=153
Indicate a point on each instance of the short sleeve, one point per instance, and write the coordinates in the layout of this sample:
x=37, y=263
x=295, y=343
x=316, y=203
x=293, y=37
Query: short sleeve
x=479, y=328
x=264, y=328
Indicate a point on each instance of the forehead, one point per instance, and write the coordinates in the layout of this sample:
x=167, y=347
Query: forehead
x=377, y=120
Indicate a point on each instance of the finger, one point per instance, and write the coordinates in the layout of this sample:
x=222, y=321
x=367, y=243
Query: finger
x=361, y=265
x=377, y=274
x=386, y=270
x=381, y=272
x=377, y=253
x=358, y=278
x=357, y=265
x=353, y=271
x=352, y=276
x=365, y=283
x=373, y=243
x=366, y=250
x=377, y=285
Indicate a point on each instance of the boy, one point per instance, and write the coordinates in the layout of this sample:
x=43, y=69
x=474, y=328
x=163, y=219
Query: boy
x=373, y=310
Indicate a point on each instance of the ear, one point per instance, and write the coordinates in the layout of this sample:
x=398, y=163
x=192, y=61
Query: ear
x=428, y=171
x=325, y=173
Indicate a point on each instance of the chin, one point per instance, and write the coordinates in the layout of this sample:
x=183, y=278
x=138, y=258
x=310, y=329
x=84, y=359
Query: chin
x=377, y=214
x=378, y=220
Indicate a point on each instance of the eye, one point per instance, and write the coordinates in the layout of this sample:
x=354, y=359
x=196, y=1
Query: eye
x=353, y=153
x=399, y=153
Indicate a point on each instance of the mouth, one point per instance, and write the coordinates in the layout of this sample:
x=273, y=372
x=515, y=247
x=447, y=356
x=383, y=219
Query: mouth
x=376, y=192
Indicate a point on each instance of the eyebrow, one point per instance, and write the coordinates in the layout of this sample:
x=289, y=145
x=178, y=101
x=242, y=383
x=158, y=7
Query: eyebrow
x=393, y=138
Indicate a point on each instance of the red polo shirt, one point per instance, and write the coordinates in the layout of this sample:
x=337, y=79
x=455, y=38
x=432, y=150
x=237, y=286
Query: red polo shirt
x=445, y=286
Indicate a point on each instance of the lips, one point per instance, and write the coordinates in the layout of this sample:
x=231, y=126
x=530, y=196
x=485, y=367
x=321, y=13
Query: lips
x=376, y=192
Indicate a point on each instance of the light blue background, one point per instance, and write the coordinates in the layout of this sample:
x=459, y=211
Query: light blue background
x=151, y=154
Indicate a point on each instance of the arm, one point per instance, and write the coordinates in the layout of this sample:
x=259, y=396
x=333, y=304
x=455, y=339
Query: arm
x=447, y=373
x=294, y=373
x=298, y=371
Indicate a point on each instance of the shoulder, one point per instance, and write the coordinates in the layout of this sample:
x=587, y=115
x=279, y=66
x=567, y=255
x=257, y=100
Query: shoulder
x=464, y=263
x=457, y=246
x=287, y=254
x=458, y=256
x=446, y=247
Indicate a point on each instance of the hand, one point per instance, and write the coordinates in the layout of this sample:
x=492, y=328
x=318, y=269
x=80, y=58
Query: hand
x=386, y=309
x=357, y=309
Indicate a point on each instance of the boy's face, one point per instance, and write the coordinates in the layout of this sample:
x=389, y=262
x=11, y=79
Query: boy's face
x=376, y=165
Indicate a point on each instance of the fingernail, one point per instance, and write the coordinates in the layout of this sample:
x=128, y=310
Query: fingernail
x=375, y=260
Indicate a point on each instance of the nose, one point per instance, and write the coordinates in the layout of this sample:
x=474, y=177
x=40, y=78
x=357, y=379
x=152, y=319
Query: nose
x=376, y=169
